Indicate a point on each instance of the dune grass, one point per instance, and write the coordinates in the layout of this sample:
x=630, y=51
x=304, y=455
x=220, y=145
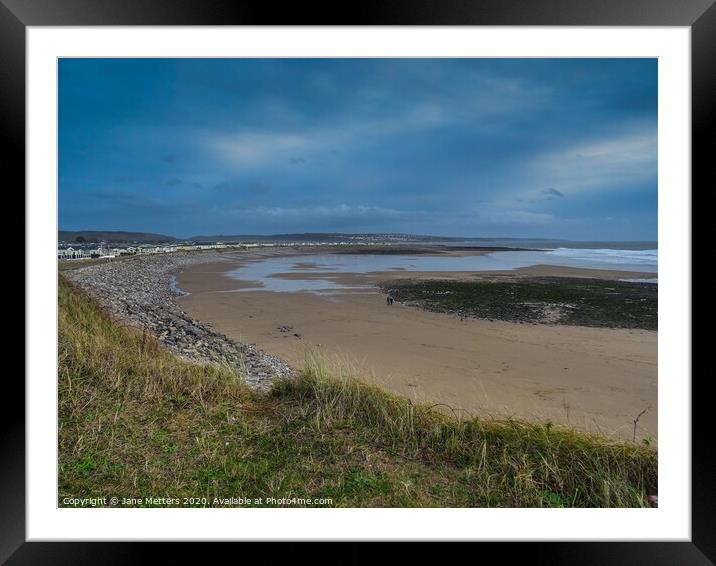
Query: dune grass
x=136, y=422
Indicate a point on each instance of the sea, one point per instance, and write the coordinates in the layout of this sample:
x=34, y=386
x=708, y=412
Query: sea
x=321, y=268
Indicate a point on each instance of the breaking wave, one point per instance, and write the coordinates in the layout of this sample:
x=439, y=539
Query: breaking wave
x=633, y=257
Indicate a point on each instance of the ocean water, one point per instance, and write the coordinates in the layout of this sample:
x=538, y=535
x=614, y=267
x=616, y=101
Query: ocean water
x=648, y=257
x=544, y=244
x=321, y=267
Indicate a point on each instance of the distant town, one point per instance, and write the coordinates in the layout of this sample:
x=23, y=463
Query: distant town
x=87, y=244
x=78, y=251
x=95, y=245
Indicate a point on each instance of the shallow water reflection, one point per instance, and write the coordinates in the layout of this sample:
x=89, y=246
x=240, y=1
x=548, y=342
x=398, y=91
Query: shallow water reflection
x=282, y=273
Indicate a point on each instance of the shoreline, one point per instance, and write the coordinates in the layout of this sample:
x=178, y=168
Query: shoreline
x=140, y=294
x=134, y=417
x=476, y=366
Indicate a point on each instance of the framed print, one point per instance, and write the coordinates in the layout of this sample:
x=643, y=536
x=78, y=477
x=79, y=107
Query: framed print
x=420, y=276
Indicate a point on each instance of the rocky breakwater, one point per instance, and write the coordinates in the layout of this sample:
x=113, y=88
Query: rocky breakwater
x=140, y=291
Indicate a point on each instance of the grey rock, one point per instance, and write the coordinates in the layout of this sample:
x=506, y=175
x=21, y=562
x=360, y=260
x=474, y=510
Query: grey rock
x=140, y=293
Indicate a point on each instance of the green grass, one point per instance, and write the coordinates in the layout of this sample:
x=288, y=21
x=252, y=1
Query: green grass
x=135, y=421
x=562, y=300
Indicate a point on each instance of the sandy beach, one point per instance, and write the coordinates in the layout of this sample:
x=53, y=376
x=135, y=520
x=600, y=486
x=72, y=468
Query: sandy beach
x=596, y=379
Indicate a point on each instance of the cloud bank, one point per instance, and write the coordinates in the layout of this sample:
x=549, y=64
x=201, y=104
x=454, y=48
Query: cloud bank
x=469, y=147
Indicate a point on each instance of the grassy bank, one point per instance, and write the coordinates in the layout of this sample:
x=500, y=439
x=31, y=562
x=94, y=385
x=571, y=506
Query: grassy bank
x=560, y=300
x=135, y=421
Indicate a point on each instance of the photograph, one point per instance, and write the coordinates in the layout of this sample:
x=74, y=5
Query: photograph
x=358, y=282
x=417, y=275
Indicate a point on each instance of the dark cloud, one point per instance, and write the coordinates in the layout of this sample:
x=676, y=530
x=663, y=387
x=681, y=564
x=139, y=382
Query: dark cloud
x=255, y=187
x=101, y=200
x=228, y=187
x=441, y=137
x=259, y=188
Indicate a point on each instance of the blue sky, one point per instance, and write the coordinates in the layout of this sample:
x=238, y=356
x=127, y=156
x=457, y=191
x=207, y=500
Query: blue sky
x=563, y=148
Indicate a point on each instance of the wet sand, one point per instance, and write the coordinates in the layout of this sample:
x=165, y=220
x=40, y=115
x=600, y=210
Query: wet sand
x=595, y=379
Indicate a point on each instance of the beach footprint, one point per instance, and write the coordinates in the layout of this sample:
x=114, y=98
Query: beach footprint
x=504, y=368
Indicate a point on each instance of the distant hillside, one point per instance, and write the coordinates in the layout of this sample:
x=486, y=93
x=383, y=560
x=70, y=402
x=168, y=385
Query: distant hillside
x=113, y=237
x=91, y=236
x=316, y=237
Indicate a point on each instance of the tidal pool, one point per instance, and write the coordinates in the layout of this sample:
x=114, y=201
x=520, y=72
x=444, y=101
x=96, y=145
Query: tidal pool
x=270, y=274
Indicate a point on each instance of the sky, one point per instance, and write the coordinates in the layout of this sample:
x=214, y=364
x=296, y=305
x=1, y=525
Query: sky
x=544, y=148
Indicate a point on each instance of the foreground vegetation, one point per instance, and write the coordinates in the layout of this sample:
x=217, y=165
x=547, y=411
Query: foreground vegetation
x=137, y=422
x=560, y=300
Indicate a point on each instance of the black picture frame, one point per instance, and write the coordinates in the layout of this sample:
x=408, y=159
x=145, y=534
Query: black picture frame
x=699, y=15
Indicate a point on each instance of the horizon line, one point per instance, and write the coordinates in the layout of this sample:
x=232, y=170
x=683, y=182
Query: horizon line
x=276, y=234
